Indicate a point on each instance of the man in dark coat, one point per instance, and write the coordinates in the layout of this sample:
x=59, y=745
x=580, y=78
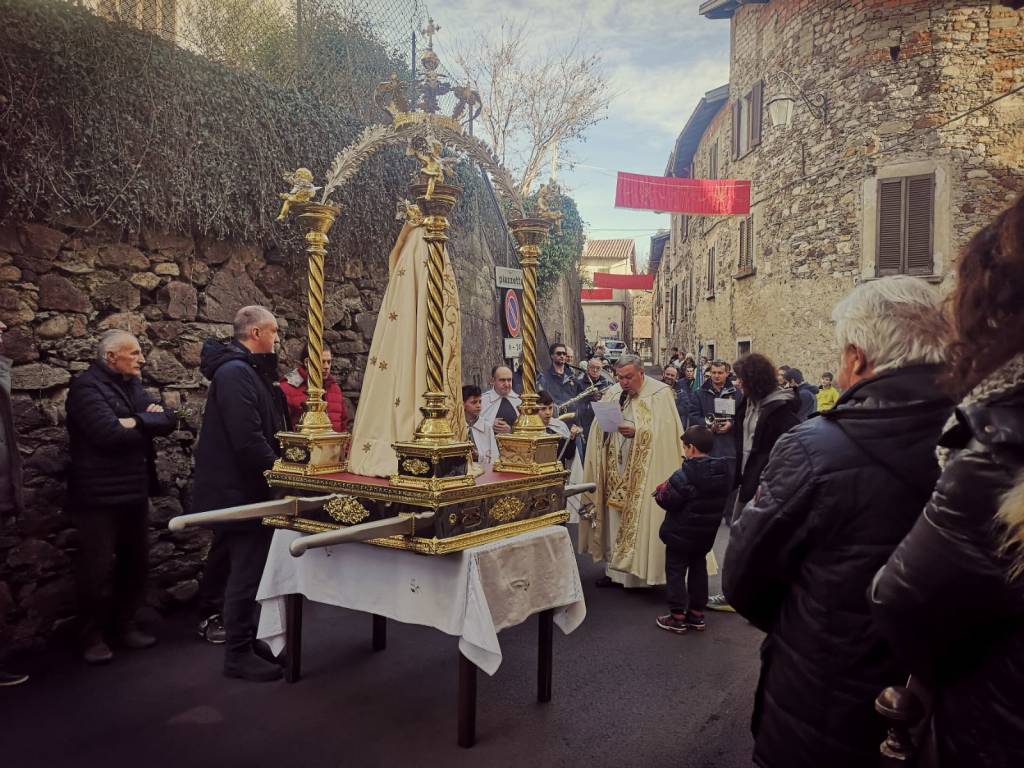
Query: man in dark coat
x=244, y=411
x=558, y=380
x=593, y=377
x=837, y=495
x=794, y=379
x=717, y=387
x=687, y=404
x=111, y=423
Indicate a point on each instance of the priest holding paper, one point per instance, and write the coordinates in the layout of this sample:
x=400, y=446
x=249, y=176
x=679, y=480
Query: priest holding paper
x=634, y=445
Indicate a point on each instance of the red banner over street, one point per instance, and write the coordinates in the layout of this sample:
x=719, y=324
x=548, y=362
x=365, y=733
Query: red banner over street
x=596, y=294
x=698, y=197
x=632, y=282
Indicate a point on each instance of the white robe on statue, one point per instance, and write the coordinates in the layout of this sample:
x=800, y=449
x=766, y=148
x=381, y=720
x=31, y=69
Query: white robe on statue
x=396, y=371
x=624, y=531
x=489, y=402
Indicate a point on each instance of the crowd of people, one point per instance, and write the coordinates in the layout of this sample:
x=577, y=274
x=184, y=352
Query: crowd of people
x=876, y=528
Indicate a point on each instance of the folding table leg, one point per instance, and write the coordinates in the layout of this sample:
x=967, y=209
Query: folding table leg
x=545, y=635
x=380, y=632
x=467, y=702
x=293, y=638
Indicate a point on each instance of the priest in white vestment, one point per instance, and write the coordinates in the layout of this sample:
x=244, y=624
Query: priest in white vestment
x=396, y=371
x=627, y=466
x=499, y=408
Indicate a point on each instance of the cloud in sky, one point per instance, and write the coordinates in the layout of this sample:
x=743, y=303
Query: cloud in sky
x=660, y=57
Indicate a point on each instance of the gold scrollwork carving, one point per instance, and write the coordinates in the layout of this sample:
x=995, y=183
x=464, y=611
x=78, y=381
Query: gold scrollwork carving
x=507, y=509
x=296, y=454
x=416, y=466
x=346, y=509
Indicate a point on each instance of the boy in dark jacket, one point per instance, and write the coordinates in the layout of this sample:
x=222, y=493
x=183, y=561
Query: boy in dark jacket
x=692, y=499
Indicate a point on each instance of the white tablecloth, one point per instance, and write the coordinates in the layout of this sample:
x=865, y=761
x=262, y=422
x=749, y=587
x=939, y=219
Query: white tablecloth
x=472, y=594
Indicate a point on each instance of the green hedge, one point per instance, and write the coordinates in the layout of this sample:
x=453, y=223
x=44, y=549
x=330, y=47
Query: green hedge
x=137, y=132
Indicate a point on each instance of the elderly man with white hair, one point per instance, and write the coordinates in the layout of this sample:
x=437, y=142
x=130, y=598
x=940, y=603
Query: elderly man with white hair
x=111, y=422
x=838, y=494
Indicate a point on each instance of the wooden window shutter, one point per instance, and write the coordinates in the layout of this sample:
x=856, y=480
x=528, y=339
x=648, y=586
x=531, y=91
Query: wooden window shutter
x=920, y=196
x=890, y=227
x=711, y=272
x=756, y=108
x=750, y=241
x=743, y=246
x=735, y=129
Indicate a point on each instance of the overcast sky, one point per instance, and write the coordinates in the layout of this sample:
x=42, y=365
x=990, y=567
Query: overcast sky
x=660, y=57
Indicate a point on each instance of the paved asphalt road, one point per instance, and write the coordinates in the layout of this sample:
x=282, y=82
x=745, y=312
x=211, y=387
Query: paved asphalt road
x=625, y=694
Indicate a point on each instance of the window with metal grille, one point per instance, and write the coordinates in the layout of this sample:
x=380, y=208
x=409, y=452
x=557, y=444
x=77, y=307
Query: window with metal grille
x=742, y=347
x=746, y=256
x=906, y=214
x=711, y=272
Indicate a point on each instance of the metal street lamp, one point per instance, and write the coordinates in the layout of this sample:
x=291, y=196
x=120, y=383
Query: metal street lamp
x=780, y=106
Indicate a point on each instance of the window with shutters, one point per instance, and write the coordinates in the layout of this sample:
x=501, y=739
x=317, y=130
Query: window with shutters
x=684, y=227
x=713, y=160
x=745, y=262
x=906, y=213
x=746, y=121
x=710, y=287
x=689, y=290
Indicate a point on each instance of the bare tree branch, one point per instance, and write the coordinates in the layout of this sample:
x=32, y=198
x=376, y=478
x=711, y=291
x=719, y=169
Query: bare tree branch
x=533, y=101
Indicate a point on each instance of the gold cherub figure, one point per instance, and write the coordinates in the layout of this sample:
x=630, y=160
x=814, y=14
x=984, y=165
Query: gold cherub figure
x=408, y=212
x=434, y=166
x=302, y=190
x=549, y=203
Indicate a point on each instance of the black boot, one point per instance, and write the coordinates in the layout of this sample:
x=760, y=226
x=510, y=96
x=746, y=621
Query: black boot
x=249, y=666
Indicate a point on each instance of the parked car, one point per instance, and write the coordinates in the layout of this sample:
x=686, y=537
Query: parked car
x=614, y=349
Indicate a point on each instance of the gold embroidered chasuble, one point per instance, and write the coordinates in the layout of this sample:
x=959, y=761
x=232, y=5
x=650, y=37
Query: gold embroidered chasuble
x=396, y=371
x=624, y=531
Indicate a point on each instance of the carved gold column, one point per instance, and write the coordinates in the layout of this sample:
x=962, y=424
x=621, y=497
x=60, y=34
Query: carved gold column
x=529, y=448
x=314, y=447
x=434, y=460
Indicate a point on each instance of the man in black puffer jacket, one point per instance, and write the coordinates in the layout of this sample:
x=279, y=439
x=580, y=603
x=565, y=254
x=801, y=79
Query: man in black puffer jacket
x=838, y=494
x=692, y=499
x=112, y=421
x=245, y=409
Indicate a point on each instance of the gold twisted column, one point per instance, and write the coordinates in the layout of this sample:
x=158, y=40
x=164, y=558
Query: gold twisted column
x=314, y=447
x=434, y=460
x=317, y=219
x=529, y=448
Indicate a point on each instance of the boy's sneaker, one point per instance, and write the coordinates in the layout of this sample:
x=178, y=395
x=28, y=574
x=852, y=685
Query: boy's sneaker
x=672, y=623
x=719, y=603
x=695, y=621
x=211, y=629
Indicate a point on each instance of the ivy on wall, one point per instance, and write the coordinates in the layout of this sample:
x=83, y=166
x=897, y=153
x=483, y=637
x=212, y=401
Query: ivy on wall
x=100, y=121
x=563, y=250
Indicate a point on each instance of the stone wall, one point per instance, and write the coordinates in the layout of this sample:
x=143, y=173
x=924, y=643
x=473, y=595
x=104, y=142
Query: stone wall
x=62, y=284
x=893, y=73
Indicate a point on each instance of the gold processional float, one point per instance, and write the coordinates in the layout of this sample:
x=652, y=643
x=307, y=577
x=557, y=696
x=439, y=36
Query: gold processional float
x=438, y=501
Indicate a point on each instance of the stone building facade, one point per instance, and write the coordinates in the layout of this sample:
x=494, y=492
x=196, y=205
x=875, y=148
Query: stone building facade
x=904, y=164
x=607, y=313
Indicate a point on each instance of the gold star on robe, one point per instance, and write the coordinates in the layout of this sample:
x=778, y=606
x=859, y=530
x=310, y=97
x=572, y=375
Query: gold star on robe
x=383, y=365
x=393, y=316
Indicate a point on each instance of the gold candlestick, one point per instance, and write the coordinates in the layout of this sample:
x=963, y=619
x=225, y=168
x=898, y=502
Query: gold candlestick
x=314, y=448
x=434, y=460
x=529, y=448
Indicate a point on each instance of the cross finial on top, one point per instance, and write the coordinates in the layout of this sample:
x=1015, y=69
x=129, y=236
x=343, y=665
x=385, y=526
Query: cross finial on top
x=431, y=30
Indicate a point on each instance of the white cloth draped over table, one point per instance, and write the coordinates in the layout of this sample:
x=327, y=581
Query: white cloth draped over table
x=396, y=371
x=472, y=595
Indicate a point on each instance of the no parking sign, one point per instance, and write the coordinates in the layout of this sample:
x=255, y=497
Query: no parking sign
x=513, y=313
